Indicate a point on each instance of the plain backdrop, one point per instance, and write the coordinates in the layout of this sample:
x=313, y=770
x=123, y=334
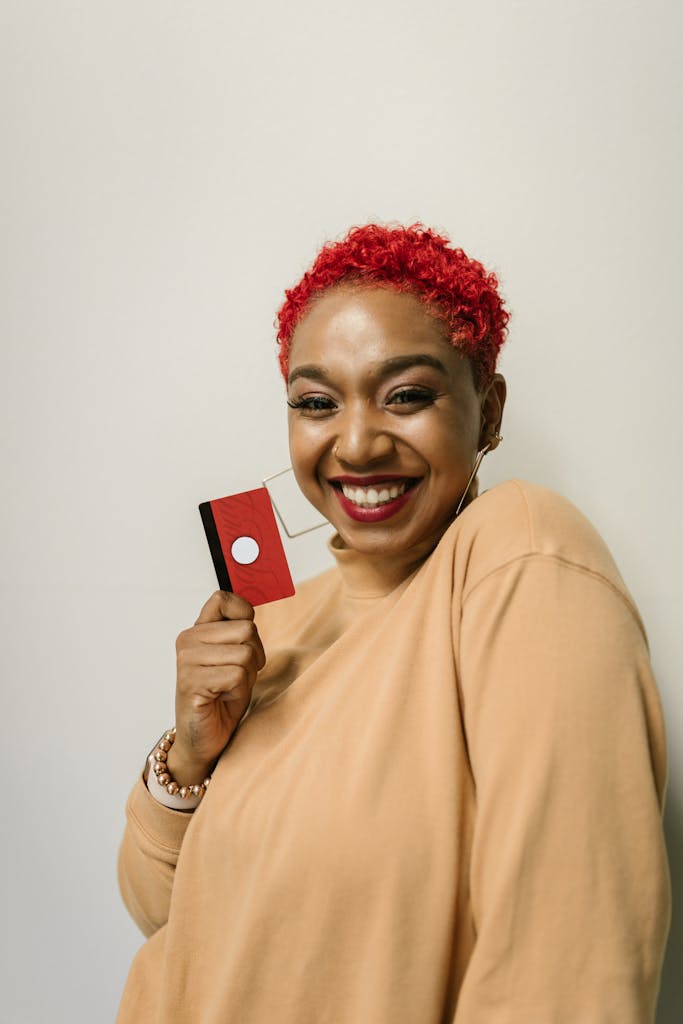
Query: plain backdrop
x=168, y=169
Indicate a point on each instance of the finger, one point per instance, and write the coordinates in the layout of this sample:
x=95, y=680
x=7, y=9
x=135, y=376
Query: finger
x=258, y=650
x=242, y=631
x=224, y=605
x=220, y=654
x=230, y=680
x=254, y=649
x=227, y=631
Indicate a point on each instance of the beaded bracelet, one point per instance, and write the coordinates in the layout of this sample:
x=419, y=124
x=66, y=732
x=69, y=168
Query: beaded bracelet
x=164, y=778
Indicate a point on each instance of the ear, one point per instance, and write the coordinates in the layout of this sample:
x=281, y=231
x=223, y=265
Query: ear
x=492, y=403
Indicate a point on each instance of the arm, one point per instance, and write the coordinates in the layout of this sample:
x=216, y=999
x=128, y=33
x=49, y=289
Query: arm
x=569, y=880
x=218, y=660
x=147, y=857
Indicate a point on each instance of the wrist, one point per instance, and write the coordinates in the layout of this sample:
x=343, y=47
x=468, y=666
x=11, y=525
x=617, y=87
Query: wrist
x=161, y=794
x=185, y=769
x=165, y=787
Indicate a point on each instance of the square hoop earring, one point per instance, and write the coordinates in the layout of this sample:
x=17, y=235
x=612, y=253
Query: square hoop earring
x=290, y=533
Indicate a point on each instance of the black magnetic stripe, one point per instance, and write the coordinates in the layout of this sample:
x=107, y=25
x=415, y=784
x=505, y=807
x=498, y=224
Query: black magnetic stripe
x=215, y=546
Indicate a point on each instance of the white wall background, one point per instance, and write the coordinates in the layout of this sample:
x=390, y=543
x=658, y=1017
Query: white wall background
x=168, y=168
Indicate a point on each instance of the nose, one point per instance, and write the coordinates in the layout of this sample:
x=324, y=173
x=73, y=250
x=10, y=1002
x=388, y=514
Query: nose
x=362, y=439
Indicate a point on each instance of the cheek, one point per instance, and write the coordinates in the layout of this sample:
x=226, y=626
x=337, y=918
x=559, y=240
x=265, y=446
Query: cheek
x=305, y=449
x=443, y=443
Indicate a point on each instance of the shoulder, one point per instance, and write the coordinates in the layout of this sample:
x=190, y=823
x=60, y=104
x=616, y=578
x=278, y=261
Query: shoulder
x=521, y=520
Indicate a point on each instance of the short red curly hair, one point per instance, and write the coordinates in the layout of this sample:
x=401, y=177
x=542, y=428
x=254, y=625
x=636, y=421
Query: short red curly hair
x=457, y=289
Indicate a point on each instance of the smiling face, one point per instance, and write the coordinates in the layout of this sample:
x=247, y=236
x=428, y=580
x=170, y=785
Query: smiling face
x=386, y=421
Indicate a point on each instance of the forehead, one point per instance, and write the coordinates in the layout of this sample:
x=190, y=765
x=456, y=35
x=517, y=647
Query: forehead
x=363, y=327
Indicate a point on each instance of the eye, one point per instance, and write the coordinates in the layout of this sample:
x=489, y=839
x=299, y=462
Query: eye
x=412, y=396
x=312, y=404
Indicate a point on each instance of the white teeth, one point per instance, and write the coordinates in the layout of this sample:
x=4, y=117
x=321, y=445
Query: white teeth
x=370, y=497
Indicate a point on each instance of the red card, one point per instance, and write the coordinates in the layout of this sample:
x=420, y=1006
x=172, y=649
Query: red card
x=246, y=547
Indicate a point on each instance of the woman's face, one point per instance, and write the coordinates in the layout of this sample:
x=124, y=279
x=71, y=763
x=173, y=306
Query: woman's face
x=387, y=420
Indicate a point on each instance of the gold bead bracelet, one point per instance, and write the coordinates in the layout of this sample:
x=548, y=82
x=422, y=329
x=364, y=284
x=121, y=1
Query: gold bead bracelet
x=164, y=777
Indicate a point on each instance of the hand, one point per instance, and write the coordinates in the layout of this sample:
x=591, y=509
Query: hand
x=217, y=663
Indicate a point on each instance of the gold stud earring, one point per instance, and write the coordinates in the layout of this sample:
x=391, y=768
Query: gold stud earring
x=493, y=436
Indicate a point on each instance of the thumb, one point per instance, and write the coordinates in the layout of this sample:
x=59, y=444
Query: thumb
x=225, y=605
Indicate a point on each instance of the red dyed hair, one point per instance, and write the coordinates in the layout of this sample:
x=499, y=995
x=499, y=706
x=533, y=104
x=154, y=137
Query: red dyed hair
x=457, y=289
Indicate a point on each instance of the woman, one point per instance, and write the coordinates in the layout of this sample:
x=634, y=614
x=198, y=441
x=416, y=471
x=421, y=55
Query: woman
x=436, y=772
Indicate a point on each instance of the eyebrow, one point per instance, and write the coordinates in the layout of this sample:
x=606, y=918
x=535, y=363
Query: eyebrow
x=389, y=366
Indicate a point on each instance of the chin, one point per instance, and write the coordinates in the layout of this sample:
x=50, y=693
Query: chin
x=383, y=542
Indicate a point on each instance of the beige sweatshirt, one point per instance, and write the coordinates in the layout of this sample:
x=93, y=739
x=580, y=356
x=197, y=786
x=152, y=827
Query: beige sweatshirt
x=442, y=807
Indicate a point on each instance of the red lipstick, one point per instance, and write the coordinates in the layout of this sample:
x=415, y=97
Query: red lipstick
x=373, y=515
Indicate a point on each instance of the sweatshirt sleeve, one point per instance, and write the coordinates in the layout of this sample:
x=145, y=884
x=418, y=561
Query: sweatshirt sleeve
x=568, y=873
x=147, y=857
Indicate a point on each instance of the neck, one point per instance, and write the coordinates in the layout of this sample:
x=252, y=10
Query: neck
x=374, y=574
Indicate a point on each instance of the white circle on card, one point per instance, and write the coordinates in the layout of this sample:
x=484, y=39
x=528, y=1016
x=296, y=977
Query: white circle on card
x=245, y=550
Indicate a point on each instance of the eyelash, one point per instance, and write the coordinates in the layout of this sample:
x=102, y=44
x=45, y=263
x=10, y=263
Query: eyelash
x=419, y=395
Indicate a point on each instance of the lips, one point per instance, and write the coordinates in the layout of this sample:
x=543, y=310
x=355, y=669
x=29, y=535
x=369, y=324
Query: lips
x=373, y=498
